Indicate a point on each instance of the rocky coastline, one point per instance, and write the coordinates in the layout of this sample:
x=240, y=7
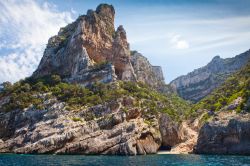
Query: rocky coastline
x=92, y=95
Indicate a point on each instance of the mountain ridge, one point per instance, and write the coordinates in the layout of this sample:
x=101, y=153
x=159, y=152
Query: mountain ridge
x=200, y=82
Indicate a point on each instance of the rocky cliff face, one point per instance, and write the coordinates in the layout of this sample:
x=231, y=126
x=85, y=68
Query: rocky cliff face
x=201, y=82
x=225, y=119
x=44, y=114
x=227, y=133
x=177, y=137
x=145, y=72
x=48, y=115
x=57, y=130
x=79, y=48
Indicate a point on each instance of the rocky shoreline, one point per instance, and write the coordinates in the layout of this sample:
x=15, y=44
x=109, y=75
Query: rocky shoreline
x=92, y=95
x=115, y=132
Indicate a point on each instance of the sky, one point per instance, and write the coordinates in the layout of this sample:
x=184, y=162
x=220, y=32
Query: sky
x=178, y=35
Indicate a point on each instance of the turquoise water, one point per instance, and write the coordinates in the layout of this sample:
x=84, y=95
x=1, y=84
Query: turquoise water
x=149, y=160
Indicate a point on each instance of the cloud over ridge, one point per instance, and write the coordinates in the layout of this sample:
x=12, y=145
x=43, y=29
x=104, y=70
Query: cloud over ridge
x=25, y=27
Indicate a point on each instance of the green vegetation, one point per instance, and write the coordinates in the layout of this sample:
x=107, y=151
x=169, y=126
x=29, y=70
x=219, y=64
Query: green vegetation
x=99, y=66
x=237, y=85
x=133, y=52
x=205, y=117
x=77, y=119
x=28, y=92
x=148, y=122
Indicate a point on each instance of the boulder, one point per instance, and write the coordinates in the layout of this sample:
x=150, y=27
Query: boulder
x=227, y=134
x=178, y=138
x=169, y=131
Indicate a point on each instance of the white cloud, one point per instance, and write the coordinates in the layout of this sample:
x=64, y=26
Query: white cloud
x=179, y=43
x=25, y=27
x=182, y=44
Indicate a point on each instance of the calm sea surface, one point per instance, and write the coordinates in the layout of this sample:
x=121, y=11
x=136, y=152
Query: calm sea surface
x=150, y=160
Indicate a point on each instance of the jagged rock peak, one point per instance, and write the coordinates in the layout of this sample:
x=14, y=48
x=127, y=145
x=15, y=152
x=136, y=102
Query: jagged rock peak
x=106, y=10
x=81, y=46
x=85, y=43
x=216, y=57
x=121, y=33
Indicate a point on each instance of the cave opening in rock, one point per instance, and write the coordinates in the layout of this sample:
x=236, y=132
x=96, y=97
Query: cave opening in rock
x=164, y=148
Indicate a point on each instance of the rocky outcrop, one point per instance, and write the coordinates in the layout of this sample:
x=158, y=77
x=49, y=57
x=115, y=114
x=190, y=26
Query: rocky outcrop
x=103, y=73
x=158, y=73
x=121, y=56
x=227, y=133
x=145, y=72
x=201, y=82
x=86, y=43
x=177, y=137
x=101, y=129
x=169, y=131
x=77, y=51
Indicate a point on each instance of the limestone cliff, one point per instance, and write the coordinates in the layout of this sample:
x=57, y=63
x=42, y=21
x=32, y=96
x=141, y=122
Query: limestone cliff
x=145, y=72
x=51, y=113
x=101, y=129
x=225, y=119
x=201, y=82
x=80, y=47
x=228, y=133
x=85, y=98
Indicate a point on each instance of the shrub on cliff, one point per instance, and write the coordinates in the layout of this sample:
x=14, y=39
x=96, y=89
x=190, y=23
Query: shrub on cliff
x=27, y=93
x=237, y=85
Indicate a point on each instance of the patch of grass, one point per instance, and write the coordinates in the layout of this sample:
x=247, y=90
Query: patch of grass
x=77, y=119
x=148, y=122
x=204, y=118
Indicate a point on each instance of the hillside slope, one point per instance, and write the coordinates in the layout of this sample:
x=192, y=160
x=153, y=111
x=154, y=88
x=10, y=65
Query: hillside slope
x=46, y=115
x=225, y=115
x=237, y=86
x=196, y=85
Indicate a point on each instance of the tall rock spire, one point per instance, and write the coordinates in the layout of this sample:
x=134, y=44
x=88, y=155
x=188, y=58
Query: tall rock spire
x=90, y=40
x=78, y=49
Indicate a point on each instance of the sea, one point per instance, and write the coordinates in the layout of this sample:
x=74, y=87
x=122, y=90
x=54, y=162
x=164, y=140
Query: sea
x=145, y=160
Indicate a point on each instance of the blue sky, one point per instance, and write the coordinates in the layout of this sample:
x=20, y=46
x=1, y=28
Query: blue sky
x=178, y=35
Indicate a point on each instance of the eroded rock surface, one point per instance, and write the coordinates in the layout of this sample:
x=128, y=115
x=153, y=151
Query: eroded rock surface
x=145, y=72
x=179, y=137
x=227, y=133
x=86, y=43
x=101, y=129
